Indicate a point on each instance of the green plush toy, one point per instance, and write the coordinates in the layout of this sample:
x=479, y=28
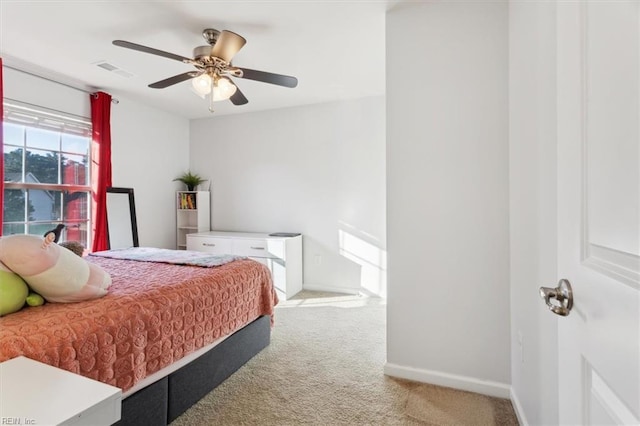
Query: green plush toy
x=34, y=299
x=13, y=291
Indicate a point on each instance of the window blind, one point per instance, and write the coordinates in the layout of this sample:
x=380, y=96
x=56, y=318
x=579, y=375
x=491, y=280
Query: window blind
x=47, y=119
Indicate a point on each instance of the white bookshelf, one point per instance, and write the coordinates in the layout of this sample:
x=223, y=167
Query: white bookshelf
x=192, y=215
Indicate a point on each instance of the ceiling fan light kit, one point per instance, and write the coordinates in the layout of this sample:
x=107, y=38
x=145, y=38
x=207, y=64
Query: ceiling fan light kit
x=223, y=87
x=213, y=68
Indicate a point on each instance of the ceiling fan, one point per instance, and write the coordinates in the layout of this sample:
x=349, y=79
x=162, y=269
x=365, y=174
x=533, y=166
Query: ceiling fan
x=213, y=67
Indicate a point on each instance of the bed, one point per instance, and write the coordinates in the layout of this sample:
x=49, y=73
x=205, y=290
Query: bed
x=166, y=334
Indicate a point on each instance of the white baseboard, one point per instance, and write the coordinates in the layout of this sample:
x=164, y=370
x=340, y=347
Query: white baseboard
x=321, y=287
x=471, y=384
x=518, y=409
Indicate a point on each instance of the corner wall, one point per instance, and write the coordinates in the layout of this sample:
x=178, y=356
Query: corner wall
x=448, y=195
x=533, y=162
x=149, y=149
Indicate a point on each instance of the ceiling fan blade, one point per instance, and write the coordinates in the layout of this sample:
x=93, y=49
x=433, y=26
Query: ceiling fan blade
x=268, y=77
x=151, y=50
x=238, y=98
x=173, y=80
x=227, y=45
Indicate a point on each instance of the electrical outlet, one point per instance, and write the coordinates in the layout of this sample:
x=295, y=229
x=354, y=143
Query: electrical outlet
x=318, y=259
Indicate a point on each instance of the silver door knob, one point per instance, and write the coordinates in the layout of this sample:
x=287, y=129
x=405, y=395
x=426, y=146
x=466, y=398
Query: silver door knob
x=563, y=294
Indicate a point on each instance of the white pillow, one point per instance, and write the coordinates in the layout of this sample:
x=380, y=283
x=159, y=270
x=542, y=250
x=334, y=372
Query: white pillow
x=54, y=272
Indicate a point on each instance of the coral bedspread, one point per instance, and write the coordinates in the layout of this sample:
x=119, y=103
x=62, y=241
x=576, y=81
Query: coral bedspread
x=153, y=315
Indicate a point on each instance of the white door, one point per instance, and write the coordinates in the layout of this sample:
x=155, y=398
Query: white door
x=598, y=60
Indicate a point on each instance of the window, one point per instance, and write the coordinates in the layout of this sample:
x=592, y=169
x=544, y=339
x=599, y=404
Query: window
x=46, y=172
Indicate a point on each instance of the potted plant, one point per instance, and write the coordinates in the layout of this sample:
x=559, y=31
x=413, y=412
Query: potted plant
x=190, y=179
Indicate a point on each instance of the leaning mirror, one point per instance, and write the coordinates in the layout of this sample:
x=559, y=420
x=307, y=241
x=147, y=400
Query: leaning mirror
x=122, y=228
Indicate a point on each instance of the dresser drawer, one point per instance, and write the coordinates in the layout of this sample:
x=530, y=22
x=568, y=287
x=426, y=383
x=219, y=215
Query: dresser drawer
x=252, y=248
x=210, y=244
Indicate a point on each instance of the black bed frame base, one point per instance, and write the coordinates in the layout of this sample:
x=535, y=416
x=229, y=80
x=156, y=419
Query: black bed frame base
x=163, y=401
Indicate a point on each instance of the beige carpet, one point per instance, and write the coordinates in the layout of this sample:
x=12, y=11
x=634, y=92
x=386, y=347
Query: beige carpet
x=324, y=367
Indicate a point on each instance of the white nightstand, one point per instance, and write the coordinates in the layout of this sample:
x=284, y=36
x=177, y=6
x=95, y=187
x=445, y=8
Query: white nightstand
x=33, y=393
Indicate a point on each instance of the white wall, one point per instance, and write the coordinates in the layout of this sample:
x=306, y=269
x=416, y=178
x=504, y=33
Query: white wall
x=447, y=192
x=318, y=170
x=149, y=148
x=532, y=146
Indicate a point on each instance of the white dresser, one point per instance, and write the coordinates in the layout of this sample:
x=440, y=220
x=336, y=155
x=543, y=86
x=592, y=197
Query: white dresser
x=33, y=393
x=282, y=255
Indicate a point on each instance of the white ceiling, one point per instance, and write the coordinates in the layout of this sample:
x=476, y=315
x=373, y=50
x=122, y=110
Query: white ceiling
x=335, y=48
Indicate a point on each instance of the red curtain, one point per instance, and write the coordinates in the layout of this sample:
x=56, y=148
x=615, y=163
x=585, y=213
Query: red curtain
x=100, y=166
x=1, y=149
